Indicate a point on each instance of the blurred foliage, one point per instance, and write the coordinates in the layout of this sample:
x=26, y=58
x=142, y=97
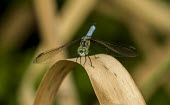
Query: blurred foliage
x=14, y=64
x=11, y=72
x=84, y=87
x=158, y=96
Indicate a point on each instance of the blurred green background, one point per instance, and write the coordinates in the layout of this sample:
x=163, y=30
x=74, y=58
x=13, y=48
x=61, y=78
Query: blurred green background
x=30, y=27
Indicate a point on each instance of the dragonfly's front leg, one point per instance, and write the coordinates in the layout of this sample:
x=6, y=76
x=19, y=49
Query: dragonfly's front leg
x=95, y=56
x=84, y=61
x=77, y=58
x=90, y=62
x=80, y=59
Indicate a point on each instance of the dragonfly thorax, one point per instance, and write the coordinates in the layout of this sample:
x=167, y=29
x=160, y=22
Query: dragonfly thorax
x=85, y=43
x=83, y=50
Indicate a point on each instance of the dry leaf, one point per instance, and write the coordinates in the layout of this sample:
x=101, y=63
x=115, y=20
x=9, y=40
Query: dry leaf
x=111, y=82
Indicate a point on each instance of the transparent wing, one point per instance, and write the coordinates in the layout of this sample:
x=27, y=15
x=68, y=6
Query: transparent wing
x=115, y=50
x=50, y=53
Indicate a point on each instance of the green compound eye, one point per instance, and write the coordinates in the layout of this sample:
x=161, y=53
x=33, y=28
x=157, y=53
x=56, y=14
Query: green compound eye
x=82, y=51
x=87, y=52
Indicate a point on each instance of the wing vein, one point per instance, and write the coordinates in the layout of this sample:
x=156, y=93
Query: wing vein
x=52, y=52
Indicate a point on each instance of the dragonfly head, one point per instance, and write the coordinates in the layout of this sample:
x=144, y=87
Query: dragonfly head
x=82, y=51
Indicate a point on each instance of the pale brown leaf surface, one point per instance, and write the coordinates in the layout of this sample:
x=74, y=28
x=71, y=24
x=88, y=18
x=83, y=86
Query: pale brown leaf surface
x=111, y=82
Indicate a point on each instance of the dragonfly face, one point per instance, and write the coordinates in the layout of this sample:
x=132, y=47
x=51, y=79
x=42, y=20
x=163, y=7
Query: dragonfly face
x=82, y=51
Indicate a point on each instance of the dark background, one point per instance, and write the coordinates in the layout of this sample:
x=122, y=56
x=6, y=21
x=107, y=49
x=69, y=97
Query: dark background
x=20, y=36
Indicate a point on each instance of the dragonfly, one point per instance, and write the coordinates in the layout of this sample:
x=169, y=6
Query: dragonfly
x=85, y=43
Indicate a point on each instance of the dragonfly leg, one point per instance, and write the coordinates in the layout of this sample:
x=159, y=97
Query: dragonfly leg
x=80, y=59
x=77, y=58
x=84, y=61
x=95, y=56
x=90, y=62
